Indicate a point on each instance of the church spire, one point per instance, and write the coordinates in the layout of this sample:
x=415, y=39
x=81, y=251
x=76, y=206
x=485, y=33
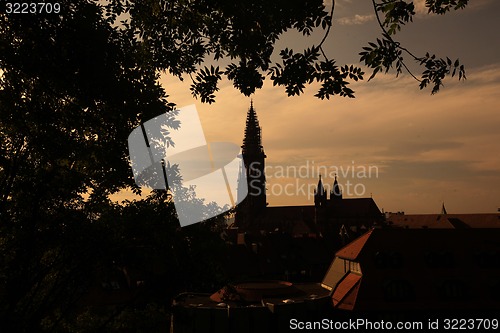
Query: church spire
x=337, y=191
x=254, y=161
x=320, y=189
x=319, y=194
x=252, y=142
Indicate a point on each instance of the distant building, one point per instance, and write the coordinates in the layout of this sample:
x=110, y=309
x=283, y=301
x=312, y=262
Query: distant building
x=442, y=221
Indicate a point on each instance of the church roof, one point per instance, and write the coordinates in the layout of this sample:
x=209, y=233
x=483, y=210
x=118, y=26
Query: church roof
x=291, y=212
x=356, y=208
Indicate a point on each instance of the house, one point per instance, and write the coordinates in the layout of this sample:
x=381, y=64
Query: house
x=439, y=271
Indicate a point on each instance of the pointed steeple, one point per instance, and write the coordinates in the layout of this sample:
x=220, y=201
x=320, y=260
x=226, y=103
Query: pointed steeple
x=320, y=189
x=344, y=235
x=252, y=142
x=337, y=191
x=319, y=194
x=443, y=209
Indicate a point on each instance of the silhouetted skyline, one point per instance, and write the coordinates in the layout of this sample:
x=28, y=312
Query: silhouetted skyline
x=427, y=149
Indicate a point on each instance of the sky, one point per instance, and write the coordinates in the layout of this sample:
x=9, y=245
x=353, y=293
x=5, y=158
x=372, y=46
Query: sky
x=409, y=150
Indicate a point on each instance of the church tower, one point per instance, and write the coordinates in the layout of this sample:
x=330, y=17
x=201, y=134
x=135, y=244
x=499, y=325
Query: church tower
x=254, y=161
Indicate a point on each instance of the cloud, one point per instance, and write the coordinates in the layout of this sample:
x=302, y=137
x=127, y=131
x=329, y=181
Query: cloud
x=416, y=148
x=356, y=19
x=421, y=9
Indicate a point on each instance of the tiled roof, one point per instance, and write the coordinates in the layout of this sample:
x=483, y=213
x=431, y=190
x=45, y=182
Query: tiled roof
x=445, y=221
x=344, y=288
x=353, y=249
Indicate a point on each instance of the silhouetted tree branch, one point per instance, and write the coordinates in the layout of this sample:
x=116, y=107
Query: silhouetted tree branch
x=387, y=52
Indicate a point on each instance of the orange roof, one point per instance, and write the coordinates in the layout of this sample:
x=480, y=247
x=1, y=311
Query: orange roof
x=352, y=250
x=346, y=287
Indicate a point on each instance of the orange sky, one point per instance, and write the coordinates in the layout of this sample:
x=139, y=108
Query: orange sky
x=426, y=149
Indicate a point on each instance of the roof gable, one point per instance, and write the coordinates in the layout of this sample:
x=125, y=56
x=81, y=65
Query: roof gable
x=352, y=250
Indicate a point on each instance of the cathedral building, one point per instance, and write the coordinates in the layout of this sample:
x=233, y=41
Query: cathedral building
x=334, y=217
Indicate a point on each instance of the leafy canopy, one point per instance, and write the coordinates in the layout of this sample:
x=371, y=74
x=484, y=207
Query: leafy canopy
x=180, y=36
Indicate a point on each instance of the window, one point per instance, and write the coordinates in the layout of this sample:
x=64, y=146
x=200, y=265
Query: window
x=351, y=266
x=453, y=290
x=385, y=259
x=487, y=259
x=354, y=267
x=439, y=259
x=398, y=290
